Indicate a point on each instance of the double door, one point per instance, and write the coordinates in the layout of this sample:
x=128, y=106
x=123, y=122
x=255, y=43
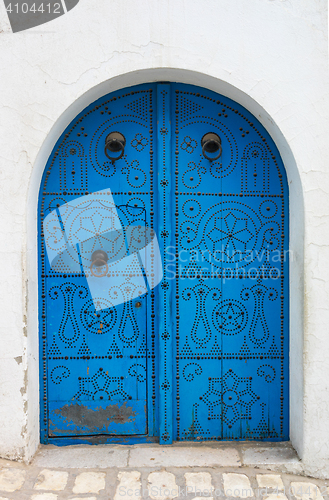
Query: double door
x=163, y=223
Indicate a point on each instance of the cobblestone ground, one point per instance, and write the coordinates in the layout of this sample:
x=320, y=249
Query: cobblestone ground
x=37, y=482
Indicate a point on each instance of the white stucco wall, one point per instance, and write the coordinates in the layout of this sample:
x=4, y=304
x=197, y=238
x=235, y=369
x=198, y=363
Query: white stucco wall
x=269, y=55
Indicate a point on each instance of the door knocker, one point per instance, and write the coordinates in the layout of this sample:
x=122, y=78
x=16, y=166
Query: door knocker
x=211, y=143
x=98, y=260
x=115, y=142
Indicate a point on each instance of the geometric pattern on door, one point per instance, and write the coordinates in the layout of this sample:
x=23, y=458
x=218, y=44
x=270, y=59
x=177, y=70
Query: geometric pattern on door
x=204, y=355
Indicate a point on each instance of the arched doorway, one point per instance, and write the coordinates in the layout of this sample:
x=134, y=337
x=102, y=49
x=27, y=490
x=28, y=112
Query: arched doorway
x=197, y=348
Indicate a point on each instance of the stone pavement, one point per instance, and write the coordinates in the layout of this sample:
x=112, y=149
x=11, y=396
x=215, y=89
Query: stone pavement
x=153, y=472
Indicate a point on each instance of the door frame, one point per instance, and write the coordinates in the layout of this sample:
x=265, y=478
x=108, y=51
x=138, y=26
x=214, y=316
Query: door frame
x=296, y=231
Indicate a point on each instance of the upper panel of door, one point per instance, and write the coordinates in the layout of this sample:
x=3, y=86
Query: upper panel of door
x=246, y=145
x=78, y=164
x=249, y=163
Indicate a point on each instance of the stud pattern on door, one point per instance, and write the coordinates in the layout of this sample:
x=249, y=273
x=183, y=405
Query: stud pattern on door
x=203, y=355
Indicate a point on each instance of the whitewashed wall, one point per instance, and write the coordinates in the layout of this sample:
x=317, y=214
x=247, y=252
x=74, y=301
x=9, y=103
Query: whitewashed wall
x=269, y=55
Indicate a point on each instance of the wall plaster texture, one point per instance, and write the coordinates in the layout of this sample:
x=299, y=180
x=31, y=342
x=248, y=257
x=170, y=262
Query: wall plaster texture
x=269, y=55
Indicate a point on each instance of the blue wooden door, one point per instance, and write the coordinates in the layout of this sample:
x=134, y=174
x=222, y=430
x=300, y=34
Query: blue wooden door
x=179, y=329
x=96, y=320
x=231, y=304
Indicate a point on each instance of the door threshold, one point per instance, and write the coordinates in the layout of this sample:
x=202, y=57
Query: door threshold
x=279, y=457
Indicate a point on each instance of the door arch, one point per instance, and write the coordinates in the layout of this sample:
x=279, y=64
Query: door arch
x=205, y=357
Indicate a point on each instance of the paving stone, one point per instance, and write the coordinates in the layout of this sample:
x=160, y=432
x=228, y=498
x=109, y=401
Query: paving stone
x=273, y=496
x=129, y=486
x=270, y=481
x=11, y=479
x=89, y=482
x=3, y=498
x=83, y=498
x=51, y=480
x=184, y=457
x=237, y=485
x=203, y=498
x=162, y=486
x=82, y=457
x=44, y=496
x=305, y=491
x=198, y=483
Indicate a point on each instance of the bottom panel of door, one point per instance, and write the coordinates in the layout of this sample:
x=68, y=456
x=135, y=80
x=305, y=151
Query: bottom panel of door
x=228, y=399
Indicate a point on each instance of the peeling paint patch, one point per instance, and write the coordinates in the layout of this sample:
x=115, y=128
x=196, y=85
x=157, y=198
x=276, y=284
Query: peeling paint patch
x=19, y=359
x=97, y=418
x=24, y=388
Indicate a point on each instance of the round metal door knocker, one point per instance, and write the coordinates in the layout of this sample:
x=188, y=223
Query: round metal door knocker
x=98, y=260
x=211, y=144
x=115, y=142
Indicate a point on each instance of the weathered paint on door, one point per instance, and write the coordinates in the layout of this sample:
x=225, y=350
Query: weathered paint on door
x=203, y=355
